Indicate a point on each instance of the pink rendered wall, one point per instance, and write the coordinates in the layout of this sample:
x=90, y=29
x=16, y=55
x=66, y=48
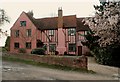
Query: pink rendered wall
x=53, y=39
x=69, y=39
x=80, y=38
x=45, y=39
x=22, y=39
x=39, y=35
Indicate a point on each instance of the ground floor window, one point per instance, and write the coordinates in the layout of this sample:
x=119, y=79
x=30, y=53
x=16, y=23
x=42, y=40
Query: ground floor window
x=72, y=47
x=16, y=45
x=45, y=46
x=52, y=47
x=28, y=45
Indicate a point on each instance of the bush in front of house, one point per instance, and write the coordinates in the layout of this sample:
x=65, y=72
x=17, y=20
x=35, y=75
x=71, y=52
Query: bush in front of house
x=22, y=50
x=4, y=49
x=39, y=51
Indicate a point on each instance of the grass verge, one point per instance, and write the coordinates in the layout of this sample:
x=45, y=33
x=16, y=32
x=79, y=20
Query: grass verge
x=65, y=68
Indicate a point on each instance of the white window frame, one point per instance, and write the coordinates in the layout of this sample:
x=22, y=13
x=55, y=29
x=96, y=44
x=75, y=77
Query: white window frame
x=51, y=32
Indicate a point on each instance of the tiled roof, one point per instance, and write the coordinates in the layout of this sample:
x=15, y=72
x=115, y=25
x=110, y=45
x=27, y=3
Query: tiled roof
x=47, y=23
x=32, y=19
x=81, y=26
x=52, y=22
x=69, y=21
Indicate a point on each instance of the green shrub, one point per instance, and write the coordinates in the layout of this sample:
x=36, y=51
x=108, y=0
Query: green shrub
x=39, y=51
x=22, y=50
x=7, y=43
x=103, y=56
x=4, y=49
x=107, y=56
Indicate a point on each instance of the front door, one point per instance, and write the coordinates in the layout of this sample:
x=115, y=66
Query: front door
x=79, y=50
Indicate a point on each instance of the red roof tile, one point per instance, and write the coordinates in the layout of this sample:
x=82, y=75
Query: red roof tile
x=81, y=26
x=52, y=23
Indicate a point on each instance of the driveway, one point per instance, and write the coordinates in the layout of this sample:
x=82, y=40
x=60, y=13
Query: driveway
x=20, y=71
x=103, y=69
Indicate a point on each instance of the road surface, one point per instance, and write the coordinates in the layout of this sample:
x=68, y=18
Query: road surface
x=20, y=71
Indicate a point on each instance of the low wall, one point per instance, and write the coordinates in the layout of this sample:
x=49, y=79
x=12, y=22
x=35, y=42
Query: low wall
x=70, y=61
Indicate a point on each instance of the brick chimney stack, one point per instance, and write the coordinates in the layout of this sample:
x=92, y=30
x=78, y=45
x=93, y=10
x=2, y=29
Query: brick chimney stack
x=60, y=17
x=61, y=40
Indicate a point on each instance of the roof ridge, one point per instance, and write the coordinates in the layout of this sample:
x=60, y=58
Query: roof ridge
x=53, y=17
x=51, y=22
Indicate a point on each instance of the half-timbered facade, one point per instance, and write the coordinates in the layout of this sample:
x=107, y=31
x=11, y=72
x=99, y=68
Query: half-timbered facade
x=62, y=34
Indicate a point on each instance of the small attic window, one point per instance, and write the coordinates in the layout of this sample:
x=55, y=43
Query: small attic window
x=22, y=23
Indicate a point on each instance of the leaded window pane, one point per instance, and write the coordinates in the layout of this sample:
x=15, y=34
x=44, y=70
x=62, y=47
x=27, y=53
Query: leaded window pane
x=72, y=47
x=28, y=45
x=52, y=47
x=22, y=23
x=71, y=31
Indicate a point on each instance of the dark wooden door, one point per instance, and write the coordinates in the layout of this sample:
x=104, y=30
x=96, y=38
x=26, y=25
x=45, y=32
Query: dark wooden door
x=79, y=50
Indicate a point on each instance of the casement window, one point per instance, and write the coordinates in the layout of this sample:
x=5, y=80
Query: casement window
x=28, y=45
x=51, y=32
x=28, y=32
x=22, y=23
x=71, y=32
x=45, y=46
x=52, y=47
x=16, y=33
x=72, y=47
x=16, y=45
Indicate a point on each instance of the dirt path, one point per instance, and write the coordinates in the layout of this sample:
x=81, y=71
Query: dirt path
x=20, y=71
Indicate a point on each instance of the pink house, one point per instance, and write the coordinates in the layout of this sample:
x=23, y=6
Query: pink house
x=62, y=34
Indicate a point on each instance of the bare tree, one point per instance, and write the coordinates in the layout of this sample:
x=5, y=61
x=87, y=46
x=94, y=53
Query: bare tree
x=3, y=18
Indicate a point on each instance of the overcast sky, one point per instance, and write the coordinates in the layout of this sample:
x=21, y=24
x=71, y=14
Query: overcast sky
x=45, y=8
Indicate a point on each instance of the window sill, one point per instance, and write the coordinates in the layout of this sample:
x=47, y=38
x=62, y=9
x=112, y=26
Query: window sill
x=28, y=48
x=72, y=51
x=16, y=48
x=51, y=35
x=71, y=35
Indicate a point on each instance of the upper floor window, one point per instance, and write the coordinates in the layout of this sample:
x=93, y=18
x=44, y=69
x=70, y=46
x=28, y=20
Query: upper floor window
x=28, y=32
x=51, y=32
x=22, y=23
x=72, y=47
x=17, y=33
x=16, y=45
x=71, y=32
x=28, y=45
